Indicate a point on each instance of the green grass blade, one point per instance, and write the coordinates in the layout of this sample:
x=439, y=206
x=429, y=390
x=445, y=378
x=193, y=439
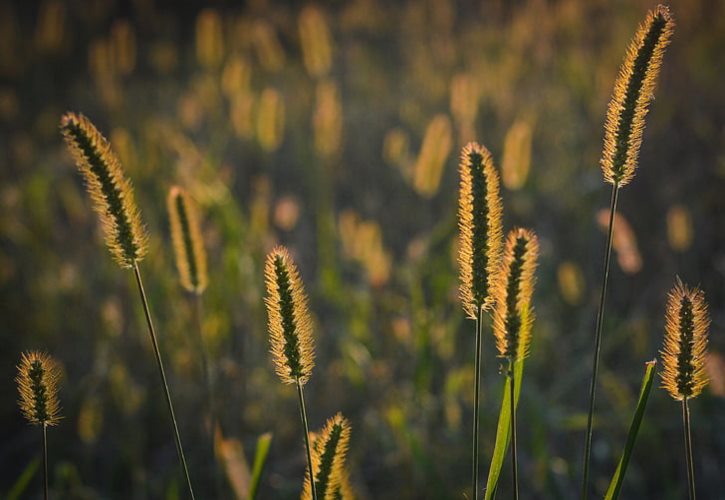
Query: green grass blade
x=23, y=480
x=503, y=431
x=260, y=459
x=616, y=485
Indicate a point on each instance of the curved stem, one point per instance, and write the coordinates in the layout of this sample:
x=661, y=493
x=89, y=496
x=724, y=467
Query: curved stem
x=303, y=414
x=688, y=448
x=162, y=374
x=514, y=455
x=45, y=461
x=598, y=342
x=476, y=401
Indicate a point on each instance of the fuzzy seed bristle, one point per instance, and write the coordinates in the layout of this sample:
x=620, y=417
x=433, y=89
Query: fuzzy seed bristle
x=479, y=222
x=633, y=91
x=187, y=241
x=290, y=326
x=110, y=191
x=685, y=343
x=513, y=314
x=328, y=459
x=37, y=379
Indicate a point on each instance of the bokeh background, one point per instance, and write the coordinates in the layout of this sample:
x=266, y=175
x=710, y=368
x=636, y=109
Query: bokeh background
x=334, y=128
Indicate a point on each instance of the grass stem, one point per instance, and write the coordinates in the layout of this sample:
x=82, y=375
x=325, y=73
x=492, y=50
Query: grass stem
x=476, y=401
x=45, y=461
x=598, y=343
x=514, y=455
x=688, y=448
x=162, y=373
x=306, y=428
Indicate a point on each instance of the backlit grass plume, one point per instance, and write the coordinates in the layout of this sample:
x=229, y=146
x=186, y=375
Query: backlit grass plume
x=290, y=328
x=683, y=356
x=187, y=241
x=290, y=332
x=37, y=379
x=513, y=315
x=109, y=189
x=479, y=221
x=328, y=458
x=633, y=91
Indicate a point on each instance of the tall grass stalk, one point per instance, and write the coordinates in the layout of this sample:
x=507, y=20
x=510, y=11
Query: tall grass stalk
x=688, y=448
x=476, y=400
x=514, y=455
x=45, y=461
x=306, y=429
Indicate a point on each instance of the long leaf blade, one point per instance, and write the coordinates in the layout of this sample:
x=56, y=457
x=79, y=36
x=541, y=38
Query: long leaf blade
x=260, y=459
x=616, y=485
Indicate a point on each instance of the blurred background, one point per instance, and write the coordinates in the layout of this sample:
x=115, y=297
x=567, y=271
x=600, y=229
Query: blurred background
x=334, y=128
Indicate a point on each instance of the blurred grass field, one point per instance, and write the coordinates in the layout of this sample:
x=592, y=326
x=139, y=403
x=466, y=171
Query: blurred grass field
x=335, y=128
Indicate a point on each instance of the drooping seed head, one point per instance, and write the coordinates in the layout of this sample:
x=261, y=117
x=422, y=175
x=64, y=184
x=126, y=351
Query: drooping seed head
x=328, y=460
x=110, y=191
x=685, y=344
x=37, y=379
x=480, y=228
x=513, y=314
x=633, y=91
x=187, y=241
x=290, y=326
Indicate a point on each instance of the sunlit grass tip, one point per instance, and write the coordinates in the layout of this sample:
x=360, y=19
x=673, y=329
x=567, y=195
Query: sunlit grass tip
x=187, y=240
x=37, y=379
x=685, y=342
x=480, y=227
x=633, y=92
x=329, y=449
x=110, y=191
x=290, y=326
x=513, y=314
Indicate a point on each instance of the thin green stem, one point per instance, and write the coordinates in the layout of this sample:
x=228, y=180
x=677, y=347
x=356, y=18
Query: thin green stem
x=514, y=454
x=476, y=401
x=45, y=461
x=598, y=342
x=303, y=415
x=162, y=373
x=688, y=448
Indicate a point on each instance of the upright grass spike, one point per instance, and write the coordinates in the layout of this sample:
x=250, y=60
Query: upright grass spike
x=480, y=242
x=328, y=459
x=37, y=379
x=126, y=238
x=683, y=356
x=513, y=315
x=186, y=238
x=109, y=189
x=290, y=331
x=623, y=130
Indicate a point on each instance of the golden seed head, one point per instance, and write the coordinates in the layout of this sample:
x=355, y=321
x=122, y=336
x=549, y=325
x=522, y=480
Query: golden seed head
x=316, y=41
x=513, y=314
x=38, y=377
x=480, y=227
x=633, y=91
x=685, y=344
x=329, y=448
x=110, y=191
x=290, y=326
x=187, y=241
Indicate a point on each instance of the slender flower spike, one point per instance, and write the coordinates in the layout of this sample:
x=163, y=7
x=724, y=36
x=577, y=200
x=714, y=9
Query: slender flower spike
x=328, y=460
x=109, y=189
x=186, y=237
x=685, y=343
x=38, y=377
x=513, y=314
x=480, y=227
x=290, y=327
x=633, y=91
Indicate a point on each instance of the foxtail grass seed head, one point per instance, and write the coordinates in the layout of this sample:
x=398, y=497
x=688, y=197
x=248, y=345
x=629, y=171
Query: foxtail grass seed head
x=329, y=448
x=633, y=91
x=110, y=191
x=685, y=344
x=187, y=240
x=480, y=228
x=38, y=377
x=513, y=314
x=290, y=326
